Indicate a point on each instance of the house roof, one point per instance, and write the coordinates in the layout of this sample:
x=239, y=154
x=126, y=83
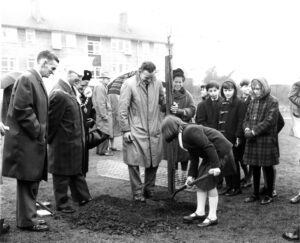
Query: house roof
x=86, y=24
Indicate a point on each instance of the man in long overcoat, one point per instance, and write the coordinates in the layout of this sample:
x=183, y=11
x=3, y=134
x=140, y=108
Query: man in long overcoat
x=104, y=118
x=25, y=155
x=139, y=107
x=66, y=142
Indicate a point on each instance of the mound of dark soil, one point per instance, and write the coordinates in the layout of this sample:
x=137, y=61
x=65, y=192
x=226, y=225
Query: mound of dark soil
x=119, y=216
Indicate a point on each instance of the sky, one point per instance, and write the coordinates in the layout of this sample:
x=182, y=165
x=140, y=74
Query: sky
x=252, y=38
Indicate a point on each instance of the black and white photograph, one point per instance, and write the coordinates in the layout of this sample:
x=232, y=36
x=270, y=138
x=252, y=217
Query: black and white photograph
x=149, y=121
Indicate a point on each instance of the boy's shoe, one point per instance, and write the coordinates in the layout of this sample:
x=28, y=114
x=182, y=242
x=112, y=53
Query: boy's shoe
x=291, y=236
x=246, y=184
x=295, y=199
x=266, y=200
x=252, y=198
x=233, y=192
x=274, y=193
x=108, y=153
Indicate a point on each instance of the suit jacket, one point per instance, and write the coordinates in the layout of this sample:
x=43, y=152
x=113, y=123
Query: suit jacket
x=25, y=146
x=66, y=131
x=207, y=113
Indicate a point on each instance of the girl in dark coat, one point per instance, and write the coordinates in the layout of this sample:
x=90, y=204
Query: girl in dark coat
x=260, y=128
x=213, y=147
x=231, y=116
x=183, y=108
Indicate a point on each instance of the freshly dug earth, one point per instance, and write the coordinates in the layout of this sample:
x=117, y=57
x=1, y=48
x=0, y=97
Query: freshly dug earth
x=119, y=216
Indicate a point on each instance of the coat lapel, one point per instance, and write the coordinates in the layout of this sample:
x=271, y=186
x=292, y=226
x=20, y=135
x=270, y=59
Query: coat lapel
x=40, y=80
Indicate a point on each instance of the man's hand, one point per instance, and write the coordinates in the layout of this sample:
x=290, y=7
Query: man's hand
x=214, y=171
x=128, y=137
x=3, y=128
x=238, y=142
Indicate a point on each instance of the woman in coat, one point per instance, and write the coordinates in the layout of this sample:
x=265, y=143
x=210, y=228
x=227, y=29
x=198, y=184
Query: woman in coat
x=215, y=149
x=260, y=128
x=184, y=108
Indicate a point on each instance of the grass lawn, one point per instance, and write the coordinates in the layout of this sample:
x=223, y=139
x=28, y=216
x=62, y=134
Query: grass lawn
x=112, y=217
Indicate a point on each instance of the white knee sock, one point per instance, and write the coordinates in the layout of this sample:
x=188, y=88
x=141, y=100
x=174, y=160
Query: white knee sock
x=213, y=199
x=201, y=200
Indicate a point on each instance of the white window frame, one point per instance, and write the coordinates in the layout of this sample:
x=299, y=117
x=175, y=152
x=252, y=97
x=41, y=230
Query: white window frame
x=96, y=47
x=9, y=34
x=71, y=40
x=12, y=64
x=30, y=36
x=30, y=60
x=96, y=72
x=56, y=40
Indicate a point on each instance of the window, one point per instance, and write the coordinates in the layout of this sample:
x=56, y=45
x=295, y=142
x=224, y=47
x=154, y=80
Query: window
x=96, y=72
x=8, y=64
x=71, y=40
x=30, y=62
x=56, y=40
x=30, y=36
x=94, y=46
x=124, y=46
x=9, y=34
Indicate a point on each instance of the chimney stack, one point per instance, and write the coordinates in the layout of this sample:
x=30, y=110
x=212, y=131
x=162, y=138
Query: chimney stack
x=36, y=10
x=123, y=22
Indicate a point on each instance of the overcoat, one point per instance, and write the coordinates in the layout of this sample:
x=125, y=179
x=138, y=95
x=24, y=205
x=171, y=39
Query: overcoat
x=66, y=131
x=25, y=146
x=103, y=109
x=139, y=108
x=207, y=112
x=262, y=118
x=185, y=102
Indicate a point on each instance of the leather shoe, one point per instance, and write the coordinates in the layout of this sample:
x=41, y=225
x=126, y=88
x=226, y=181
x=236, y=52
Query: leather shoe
x=139, y=199
x=67, y=209
x=36, y=227
x=208, y=222
x=224, y=191
x=291, y=236
x=41, y=221
x=233, y=192
x=192, y=218
x=4, y=229
x=148, y=194
x=266, y=200
x=295, y=199
x=250, y=199
x=82, y=203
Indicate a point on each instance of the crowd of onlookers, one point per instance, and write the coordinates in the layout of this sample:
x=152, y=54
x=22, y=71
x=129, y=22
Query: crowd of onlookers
x=228, y=138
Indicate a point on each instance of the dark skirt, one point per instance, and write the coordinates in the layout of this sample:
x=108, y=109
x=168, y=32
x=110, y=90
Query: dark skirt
x=208, y=183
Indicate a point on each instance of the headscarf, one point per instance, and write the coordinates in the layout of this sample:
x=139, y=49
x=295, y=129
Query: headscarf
x=171, y=126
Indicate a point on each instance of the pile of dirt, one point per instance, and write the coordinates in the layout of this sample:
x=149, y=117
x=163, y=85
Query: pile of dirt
x=119, y=216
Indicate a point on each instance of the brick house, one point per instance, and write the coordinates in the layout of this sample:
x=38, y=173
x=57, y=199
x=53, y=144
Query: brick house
x=113, y=48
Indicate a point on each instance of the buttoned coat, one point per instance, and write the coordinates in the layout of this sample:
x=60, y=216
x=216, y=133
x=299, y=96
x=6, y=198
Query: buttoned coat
x=262, y=149
x=25, y=146
x=207, y=113
x=139, y=109
x=66, y=131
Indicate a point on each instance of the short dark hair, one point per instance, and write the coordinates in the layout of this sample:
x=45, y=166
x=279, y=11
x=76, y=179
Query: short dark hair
x=48, y=55
x=203, y=86
x=212, y=84
x=244, y=82
x=178, y=73
x=148, y=66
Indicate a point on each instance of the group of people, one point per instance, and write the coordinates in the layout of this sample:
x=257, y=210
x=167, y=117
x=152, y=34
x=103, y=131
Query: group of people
x=225, y=131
